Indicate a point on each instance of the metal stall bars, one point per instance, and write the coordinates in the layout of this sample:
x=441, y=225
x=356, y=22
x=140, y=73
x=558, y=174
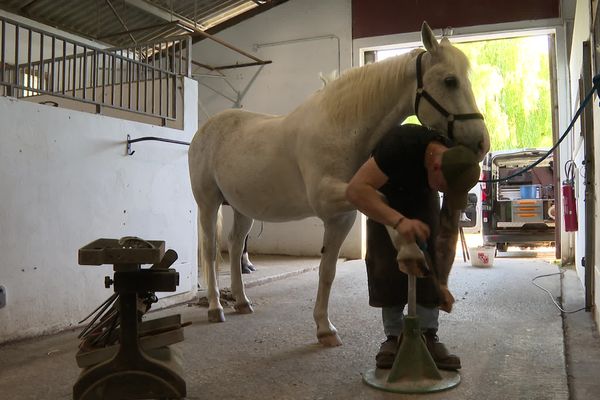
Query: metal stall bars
x=141, y=79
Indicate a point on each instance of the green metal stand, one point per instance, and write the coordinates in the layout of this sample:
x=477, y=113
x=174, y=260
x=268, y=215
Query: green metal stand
x=414, y=370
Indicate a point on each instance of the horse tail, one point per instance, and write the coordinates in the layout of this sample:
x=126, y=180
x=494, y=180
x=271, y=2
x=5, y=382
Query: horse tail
x=218, y=240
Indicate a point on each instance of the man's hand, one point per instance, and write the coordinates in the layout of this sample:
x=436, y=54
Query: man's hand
x=413, y=230
x=446, y=300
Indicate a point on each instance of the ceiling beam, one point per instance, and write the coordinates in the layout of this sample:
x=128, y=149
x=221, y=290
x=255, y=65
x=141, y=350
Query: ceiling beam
x=26, y=6
x=123, y=24
x=186, y=23
x=241, y=17
x=143, y=28
x=156, y=11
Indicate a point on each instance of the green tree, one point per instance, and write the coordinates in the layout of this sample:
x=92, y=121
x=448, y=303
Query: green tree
x=510, y=79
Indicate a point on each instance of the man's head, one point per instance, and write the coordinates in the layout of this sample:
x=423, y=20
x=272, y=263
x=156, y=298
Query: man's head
x=460, y=168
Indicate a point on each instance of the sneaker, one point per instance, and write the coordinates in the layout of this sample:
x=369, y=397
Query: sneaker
x=441, y=356
x=387, y=353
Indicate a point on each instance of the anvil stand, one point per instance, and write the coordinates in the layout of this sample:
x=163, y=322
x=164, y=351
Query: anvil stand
x=414, y=370
x=132, y=373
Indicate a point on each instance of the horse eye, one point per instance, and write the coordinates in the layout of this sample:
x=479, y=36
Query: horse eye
x=451, y=82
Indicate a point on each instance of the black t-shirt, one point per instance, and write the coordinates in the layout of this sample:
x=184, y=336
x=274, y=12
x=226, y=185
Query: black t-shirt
x=400, y=155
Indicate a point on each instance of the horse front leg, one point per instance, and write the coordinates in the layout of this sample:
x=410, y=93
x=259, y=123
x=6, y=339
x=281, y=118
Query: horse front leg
x=336, y=230
x=241, y=227
x=331, y=198
x=445, y=245
x=411, y=259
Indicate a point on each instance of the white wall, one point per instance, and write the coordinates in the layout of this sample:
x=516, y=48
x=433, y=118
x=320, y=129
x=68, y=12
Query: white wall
x=65, y=181
x=302, y=38
x=576, y=145
x=581, y=33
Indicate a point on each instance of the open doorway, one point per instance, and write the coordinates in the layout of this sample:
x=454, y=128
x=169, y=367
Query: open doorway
x=513, y=79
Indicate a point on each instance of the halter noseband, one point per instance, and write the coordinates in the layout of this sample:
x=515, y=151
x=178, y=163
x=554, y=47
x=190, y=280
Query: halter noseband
x=421, y=92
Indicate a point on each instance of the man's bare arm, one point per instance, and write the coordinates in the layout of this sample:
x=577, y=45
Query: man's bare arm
x=445, y=246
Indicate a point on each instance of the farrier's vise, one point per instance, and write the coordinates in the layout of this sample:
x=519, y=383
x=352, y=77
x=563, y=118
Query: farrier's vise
x=122, y=356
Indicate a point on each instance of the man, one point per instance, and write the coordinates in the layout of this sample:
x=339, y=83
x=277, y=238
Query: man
x=409, y=166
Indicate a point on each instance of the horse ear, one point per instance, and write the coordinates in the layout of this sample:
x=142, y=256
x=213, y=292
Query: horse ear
x=428, y=38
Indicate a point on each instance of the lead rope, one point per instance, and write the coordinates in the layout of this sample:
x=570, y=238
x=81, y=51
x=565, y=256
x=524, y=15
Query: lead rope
x=586, y=100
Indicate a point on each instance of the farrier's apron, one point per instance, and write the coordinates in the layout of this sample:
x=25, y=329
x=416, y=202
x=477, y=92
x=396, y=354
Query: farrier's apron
x=387, y=285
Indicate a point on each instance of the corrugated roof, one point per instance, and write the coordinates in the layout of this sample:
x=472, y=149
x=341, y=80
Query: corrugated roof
x=123, y=23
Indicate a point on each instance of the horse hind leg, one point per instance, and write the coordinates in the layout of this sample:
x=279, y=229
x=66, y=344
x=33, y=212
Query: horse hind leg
x=208, y=245
x=336, y=230
x=239, y=232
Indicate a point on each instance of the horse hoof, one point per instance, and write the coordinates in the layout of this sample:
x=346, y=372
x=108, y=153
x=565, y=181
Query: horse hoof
x=330, y=340
x=245, y=308
x=216, y=315
x=413, y=267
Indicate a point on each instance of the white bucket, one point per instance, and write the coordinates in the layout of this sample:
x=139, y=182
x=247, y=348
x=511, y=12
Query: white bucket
x=482, y=256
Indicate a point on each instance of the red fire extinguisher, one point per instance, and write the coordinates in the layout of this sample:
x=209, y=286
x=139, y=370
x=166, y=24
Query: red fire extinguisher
x=569, y=204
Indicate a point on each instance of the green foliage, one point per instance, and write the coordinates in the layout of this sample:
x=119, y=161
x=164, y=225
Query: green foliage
x=511, y=82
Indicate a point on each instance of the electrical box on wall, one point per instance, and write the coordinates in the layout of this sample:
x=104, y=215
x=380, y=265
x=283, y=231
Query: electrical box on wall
x=2, y=296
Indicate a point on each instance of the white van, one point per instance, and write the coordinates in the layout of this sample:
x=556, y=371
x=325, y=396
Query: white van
x=521, y=210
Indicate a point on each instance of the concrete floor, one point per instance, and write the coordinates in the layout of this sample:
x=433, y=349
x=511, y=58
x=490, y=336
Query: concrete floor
x=508, y=333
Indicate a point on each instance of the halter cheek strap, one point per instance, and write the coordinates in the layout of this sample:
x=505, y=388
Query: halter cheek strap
x=421, y=92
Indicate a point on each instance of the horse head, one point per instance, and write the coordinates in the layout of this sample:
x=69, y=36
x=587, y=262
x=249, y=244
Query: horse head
x=444, y=99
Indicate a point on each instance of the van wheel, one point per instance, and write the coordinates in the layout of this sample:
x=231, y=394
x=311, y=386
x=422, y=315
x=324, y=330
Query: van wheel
x=502, y=247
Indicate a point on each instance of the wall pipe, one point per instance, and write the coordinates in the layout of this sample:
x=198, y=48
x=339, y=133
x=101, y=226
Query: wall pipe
x=257, y=46
x=130, y=141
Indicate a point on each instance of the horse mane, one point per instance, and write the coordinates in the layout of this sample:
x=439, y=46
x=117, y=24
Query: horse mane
x=363, y=91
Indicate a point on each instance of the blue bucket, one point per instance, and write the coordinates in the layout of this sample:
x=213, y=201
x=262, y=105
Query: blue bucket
x=530, y=191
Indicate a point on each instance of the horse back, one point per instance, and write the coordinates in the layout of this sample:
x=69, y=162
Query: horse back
x=250, y=158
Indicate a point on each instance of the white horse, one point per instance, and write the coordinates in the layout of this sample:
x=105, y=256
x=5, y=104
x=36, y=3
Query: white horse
x=283, y=168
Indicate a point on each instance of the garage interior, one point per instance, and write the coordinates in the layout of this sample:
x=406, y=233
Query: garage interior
x=161, y=69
